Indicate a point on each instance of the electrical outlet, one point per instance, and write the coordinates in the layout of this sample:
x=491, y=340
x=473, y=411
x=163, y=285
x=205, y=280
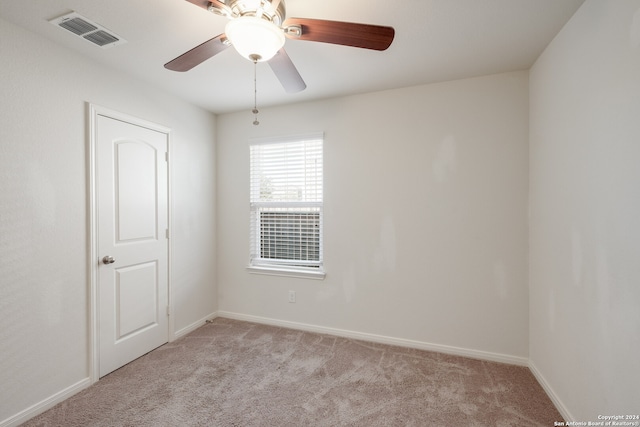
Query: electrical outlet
x=292, y=296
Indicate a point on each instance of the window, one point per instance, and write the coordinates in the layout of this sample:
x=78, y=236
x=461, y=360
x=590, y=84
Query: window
x=286, y=205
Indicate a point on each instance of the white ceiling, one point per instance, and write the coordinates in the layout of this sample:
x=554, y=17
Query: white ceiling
x=436, y=40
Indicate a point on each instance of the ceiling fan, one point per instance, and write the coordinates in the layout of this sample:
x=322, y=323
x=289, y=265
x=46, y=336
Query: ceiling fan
x=257, y=30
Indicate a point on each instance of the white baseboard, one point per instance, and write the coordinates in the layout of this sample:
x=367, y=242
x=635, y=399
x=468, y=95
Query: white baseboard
x=45, y=404
x=456, y=351
x=551, y=393
x=192, y=327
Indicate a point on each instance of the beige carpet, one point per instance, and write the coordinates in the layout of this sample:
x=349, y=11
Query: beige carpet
x=232, y=373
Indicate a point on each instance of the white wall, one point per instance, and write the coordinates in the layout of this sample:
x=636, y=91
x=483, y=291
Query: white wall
x=425, y=215
x=44, y=291
x=585, y=212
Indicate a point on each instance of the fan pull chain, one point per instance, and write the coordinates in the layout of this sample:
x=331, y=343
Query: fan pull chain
x=255, y=92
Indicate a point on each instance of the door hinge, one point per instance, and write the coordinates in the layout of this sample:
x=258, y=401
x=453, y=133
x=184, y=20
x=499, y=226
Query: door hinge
x=168, y=311
x=166, y=156
x=166, y=233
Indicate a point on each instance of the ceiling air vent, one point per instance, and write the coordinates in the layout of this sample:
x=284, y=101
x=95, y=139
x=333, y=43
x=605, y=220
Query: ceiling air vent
x=88, y=30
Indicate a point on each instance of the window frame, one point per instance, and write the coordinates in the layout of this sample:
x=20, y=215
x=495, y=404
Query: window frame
x=280, y=267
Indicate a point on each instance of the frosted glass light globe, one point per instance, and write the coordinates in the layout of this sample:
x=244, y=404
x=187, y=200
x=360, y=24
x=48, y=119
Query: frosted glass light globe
x=255, y=38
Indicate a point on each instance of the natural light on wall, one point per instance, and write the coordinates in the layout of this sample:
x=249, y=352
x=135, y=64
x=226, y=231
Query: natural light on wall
x=286, y=205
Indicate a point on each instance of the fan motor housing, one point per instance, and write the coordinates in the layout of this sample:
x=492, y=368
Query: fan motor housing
x=237, y=8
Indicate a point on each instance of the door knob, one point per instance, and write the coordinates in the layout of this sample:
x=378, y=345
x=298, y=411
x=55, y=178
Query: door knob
x=108, y=259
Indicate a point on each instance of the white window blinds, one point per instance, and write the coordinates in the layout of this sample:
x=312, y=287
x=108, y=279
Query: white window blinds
x=286, y=202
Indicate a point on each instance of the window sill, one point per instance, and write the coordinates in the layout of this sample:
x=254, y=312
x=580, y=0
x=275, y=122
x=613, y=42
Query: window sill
x=287, y=272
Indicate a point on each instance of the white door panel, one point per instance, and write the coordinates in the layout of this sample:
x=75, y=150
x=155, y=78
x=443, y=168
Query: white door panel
x=135, y=191
x=132, y=193
x=136, y=299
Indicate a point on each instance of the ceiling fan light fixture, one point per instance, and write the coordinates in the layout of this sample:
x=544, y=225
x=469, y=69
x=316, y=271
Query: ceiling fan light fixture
x=255, y=38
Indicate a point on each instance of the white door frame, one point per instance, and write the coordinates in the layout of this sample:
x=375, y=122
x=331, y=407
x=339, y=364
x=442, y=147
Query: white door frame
x=94, y=328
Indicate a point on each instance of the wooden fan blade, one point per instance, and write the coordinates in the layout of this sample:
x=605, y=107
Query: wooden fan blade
x=365, y=36
x=286, y=72
x=198, y=54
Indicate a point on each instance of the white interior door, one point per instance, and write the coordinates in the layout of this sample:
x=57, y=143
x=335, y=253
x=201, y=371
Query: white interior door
x=132, y=228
